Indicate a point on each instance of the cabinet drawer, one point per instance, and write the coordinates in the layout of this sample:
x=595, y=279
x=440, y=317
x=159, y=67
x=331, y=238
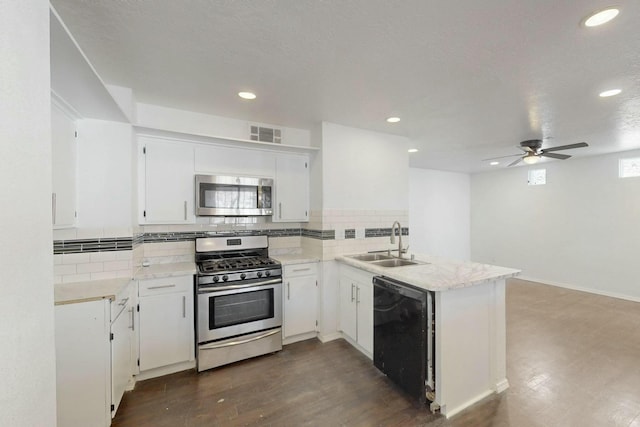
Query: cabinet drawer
x=165, y=285
x=295, y=270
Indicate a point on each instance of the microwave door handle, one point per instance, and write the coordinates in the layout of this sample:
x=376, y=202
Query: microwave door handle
x=260, y=202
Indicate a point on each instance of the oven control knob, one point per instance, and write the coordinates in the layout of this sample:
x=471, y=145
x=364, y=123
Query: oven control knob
x=216, y=278
x=259, y=273
x=267, y=273
x=242, y=276
x=225, y=278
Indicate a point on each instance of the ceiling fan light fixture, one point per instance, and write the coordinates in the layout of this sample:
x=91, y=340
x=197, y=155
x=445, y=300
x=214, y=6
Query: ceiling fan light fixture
x=601, y=17
x=531, y=159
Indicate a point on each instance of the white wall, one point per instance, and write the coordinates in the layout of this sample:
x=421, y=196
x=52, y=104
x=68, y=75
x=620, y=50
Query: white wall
x=439, y=213
x=176, y=120
x=105, y=181
x=581, y=229
x=27, y=356
x=363, y=169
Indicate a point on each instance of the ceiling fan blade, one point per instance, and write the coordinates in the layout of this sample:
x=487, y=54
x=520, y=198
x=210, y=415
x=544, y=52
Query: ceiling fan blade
x=514, y=162
x=501, y=157
x=527, y=149
x=566, y=147
x=555, y=155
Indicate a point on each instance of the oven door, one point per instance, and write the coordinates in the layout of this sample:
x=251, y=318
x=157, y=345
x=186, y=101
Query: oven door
x=227, y=311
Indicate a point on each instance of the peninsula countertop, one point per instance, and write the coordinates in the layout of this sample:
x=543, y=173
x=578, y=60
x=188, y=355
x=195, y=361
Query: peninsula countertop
x=436, y=273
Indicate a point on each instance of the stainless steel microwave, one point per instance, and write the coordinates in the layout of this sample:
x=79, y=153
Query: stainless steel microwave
x=233, y=196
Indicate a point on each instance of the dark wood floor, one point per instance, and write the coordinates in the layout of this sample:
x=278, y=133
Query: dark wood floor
x=573, y=360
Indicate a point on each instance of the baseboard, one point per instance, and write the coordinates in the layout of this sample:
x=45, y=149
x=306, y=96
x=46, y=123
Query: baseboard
x=466, y=404
x=329, y=337
x=165, y=370
x=502, y=385
x=301, y=337
x=581, y=289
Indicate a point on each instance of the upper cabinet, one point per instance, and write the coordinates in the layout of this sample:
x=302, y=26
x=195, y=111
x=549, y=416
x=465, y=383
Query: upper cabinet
x=219, y=160
x=291, y=188
x=63, y=153
x=167, y=170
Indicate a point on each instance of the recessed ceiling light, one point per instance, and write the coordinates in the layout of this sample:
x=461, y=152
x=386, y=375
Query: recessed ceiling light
x=413, y=150
x=601, y=17
x=393, y=119
x=247, y=95
x=494, y=163
x=612, y=92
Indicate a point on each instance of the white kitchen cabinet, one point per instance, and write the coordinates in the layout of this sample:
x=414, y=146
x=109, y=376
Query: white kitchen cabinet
x=356, y=308
x=121, y=343
x=167, y=170
x=63, y=156
x=300, y=300
x=93, y=359
x=166, y=328
x=82, y=364
x=220, y=160
x=291, y=198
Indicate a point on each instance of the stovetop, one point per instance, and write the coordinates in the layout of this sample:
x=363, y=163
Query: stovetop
x=234, y=264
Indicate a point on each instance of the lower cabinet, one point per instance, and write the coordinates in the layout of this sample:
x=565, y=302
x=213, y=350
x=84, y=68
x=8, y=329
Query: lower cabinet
x=300, y=294
x=93, y=359
x=356, y=307
x=166, y=327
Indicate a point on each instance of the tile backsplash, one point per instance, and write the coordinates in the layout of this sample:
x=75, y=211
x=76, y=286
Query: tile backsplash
x=94, y=254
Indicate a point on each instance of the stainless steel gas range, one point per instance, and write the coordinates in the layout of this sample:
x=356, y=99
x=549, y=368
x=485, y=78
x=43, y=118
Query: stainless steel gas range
x=239, y=300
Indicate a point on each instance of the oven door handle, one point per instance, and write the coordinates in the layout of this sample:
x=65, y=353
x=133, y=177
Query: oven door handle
x=204, y=289
x=229, y=344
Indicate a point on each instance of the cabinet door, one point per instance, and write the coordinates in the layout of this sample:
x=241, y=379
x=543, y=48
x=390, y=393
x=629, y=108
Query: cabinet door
x=166, y=330
x=82, y=364
x=291, y=188
x=63, y=156
x=120, y=356
x=300, y=305
x=365, y=315
x=169, y=182
x=348, y=319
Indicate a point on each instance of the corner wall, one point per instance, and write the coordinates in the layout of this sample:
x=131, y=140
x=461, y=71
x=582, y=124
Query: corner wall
x=27, y=354
x=580, y=230
x=439, y=213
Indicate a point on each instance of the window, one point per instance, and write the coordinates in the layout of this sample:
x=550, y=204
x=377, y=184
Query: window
x=629, y=167
x=537, y=176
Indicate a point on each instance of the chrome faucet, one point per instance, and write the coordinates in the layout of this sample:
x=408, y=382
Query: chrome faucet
x=393, y=238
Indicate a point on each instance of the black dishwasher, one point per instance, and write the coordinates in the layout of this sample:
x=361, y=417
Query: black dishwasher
x=403, y=337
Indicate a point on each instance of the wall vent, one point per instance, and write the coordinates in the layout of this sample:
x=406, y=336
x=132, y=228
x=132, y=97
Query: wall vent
x=264, y=134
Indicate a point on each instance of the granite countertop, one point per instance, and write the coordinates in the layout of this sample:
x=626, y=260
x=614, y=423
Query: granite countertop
x=436, y=273
x=155, y=271
x=71, y=293
x=291, y=259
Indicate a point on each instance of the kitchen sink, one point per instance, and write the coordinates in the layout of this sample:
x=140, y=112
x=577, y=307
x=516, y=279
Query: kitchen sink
x=395, y=262
x=371, y=257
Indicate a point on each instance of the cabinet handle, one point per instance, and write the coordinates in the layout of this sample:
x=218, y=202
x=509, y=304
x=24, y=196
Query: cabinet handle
x=133, y=319
x=352, y=286
x=280, y=210
x=288, y=290
x=53, y=207
x=184, y=307
x=185, y=210
x=358, y=295
x=161, y=287
x=123, y=302
x=302, y=269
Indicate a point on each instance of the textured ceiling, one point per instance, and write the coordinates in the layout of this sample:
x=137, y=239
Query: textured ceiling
x=469, y=79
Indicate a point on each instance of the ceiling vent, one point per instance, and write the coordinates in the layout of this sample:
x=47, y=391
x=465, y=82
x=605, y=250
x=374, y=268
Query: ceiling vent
x=264, y=134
